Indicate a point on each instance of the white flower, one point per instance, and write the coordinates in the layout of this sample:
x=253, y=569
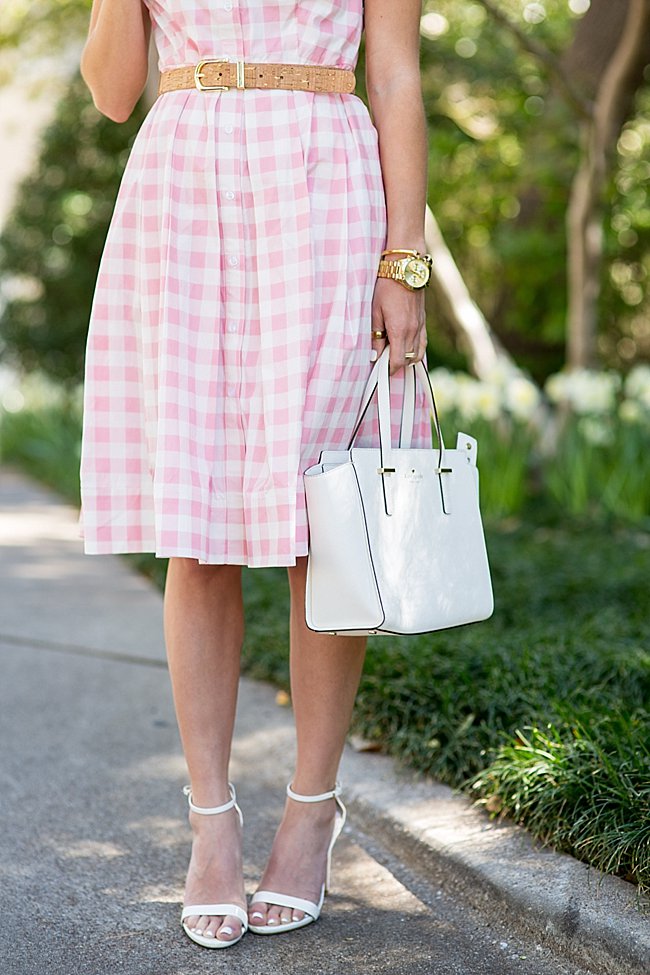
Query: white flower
x=587, y=392
x=637, y=383
x=521, y=397
x=488, y=401
x=595, y=431
x=630, y=411
x=445, y=385
x=477, y=399
x=556, y=386
x=500, y=374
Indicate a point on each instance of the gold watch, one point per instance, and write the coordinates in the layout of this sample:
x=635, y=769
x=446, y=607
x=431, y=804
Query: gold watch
x=413, y=271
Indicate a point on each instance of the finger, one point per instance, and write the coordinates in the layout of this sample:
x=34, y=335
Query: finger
x=378, y=339
x=399, y=348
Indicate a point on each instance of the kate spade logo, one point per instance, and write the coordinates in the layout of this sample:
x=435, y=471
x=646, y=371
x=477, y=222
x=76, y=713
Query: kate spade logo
x=412, y=475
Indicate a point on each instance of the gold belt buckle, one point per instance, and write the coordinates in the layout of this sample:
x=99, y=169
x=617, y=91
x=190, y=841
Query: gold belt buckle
x=198, y=69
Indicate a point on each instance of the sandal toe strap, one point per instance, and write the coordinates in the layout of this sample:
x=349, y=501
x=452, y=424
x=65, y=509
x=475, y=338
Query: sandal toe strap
x=285, y=900
x=220, y=910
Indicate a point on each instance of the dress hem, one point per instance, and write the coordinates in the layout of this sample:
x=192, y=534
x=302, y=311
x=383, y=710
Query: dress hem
x=280, y=562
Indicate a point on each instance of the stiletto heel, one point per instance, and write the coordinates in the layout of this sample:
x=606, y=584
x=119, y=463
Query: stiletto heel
x=311, y=910
x=222, y=910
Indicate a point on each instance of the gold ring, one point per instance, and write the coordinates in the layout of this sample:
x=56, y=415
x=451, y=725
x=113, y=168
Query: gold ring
x=409, y=355
x=377, y=334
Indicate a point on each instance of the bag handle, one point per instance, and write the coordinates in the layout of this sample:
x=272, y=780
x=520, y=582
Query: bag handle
x=379, y=380
x=408, y=405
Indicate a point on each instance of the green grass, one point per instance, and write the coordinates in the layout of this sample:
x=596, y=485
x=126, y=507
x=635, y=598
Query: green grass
x=540, y=713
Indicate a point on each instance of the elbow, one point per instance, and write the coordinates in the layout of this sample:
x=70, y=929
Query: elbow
x=111, y=99
x=114, y=111
x=388, y=87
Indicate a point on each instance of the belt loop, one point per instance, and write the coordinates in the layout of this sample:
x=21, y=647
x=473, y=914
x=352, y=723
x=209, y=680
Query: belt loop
x=240, y=74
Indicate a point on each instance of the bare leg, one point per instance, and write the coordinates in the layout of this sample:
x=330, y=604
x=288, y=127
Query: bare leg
x=204, y=629
x=325, y=673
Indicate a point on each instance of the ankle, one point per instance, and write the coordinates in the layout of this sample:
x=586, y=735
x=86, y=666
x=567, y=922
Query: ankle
x=209, y=795
x=308, y=786
x=320, y=814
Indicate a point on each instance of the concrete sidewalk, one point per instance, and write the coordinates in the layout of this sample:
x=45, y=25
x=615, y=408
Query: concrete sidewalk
x=95, y=841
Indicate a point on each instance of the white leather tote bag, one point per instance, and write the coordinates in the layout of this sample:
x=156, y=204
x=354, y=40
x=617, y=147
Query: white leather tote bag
x=396, y=542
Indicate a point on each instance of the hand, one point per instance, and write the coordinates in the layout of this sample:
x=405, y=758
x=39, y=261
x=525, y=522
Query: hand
x=400, y=313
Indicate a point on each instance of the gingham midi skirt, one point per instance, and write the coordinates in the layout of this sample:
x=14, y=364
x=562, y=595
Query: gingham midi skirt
x=230, y=330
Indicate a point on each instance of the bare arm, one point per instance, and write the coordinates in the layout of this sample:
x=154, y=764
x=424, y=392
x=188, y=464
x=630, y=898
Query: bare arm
x=395, y=95
x=114, y=61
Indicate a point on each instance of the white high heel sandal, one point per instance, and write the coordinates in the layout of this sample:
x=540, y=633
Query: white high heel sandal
x=214, y=909
x=310, y=909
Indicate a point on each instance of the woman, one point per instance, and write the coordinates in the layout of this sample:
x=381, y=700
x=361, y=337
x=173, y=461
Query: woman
x=236, y=313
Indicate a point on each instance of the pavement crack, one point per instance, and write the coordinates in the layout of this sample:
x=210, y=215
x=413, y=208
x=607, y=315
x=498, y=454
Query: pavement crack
x=77, y=650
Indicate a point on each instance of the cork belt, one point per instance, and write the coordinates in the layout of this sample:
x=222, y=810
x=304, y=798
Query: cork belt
x=220, y=74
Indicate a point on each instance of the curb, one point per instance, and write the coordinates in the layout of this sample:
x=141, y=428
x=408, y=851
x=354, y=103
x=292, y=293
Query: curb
x=591, y=918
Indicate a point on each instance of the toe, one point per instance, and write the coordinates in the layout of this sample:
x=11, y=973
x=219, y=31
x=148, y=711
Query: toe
x=285, y=915
x=273, y=915
x=229, y=929
x=297, y=915
x=257, y=914
x=210, y=925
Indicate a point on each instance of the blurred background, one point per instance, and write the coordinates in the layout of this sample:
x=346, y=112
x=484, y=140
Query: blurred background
x=539, y=346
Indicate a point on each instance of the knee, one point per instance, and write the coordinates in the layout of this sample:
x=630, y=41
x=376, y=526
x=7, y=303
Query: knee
x=199, y=574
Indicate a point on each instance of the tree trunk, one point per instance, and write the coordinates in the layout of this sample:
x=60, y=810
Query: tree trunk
x=585, y=213
x=597, y=36
x=459, y=308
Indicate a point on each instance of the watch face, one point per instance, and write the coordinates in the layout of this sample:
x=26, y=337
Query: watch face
x=416, y=273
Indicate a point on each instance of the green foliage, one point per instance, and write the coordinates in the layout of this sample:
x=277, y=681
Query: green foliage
x=503, y=150
x=583, y=786
x=51, y=245
x=43, y=25
x=45, y=436
x=625, y=332
x=600, y=465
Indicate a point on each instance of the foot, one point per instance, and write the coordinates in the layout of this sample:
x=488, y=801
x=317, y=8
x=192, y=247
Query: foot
x=298, y=860
x=215, y=874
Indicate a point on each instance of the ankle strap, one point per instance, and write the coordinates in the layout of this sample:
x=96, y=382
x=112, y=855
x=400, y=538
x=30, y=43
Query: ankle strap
x=334, y=794
x=213, y=810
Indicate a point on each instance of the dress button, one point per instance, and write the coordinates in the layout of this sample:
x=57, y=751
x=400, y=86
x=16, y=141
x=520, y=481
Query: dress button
x=227, y=128
x=233, y=261
x=232, y=327
x=231, y=390
x=229, y=195
x=227, y=6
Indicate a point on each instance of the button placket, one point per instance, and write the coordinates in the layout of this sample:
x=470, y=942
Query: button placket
x=233, y=264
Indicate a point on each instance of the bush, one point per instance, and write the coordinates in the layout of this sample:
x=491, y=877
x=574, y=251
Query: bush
x=52, y=242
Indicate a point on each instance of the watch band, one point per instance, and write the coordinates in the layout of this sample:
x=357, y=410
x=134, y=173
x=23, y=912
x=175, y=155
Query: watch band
x=391, y=269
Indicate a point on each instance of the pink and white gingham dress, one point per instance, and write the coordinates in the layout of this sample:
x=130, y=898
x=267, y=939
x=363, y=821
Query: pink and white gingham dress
x=229, y=336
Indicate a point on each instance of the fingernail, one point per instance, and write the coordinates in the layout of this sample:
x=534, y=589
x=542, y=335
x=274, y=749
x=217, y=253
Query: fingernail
x=256, y=914
x=295, y=918
x=226, y=929
x=272, y=920
x=198, y=930
x=373, y=355
x=209, y=934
